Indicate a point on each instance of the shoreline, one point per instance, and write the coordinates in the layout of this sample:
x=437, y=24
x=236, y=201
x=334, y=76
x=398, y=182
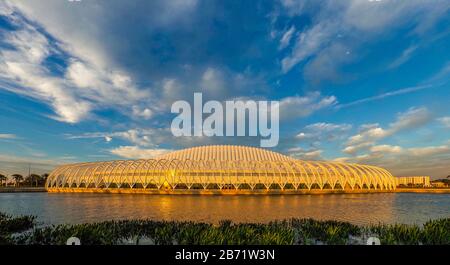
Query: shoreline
x=424, y=190
x=21, y=189
x=222, y=192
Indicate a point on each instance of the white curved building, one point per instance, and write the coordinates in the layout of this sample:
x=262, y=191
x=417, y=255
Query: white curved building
x=219, y=168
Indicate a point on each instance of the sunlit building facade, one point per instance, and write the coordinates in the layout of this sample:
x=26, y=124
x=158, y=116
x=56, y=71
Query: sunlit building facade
x=220, y=169
x=422, y=181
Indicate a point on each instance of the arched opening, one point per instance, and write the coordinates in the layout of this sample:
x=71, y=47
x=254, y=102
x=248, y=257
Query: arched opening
x=302, y=186
x=228, y=187
x=259, y=186
x=315, y=186
x=152, y=186
x=213, y=186
x=327, y=186
x=125, y=186
x=274, y=186
x=197, y=186
x=289, y=186
x=181, y=186
x=338, y=186
x=245, y=186
x=138, y=186
x=347, y=186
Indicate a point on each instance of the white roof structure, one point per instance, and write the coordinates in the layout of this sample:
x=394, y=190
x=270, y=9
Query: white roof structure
x=219, y=167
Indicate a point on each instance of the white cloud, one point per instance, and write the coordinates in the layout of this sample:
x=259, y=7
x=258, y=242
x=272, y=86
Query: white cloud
x=353, y=149
x=298, y=106
x=23, y=68
x=74, y=94
x=413, y=118
x=397, y=92
x=212, y=80
x=386, y=149
x=429, y=151
x=11, y=164
x=135, y=152
x=369, y=134
x=286, y=38
x=445, y=121
x=293, y=7
x=64, y=22
x=171, y=89
x=442, y=75
x=141, y=137
x=353, y=24
x=144, y=113
x=104, y=86
x=328, y=127
x=341, y=159
x=322, y=131
x=428, y=160
x=8, y=136
x=307, y=44
x=305, y=154
x=404, y=57
x=304, y=136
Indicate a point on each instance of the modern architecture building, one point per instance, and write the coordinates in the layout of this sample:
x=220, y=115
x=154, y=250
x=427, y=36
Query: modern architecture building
x=219, y=168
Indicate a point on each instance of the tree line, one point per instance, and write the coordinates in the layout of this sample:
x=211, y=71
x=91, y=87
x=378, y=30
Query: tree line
x=32, y=180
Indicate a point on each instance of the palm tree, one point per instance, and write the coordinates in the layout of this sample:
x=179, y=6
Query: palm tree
x=33, y=178
x=44, y=178
x=17, y=178
x=3, y=178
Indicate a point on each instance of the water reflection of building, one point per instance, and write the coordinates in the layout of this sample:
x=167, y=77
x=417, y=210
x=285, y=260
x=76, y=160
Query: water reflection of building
x=416, y=181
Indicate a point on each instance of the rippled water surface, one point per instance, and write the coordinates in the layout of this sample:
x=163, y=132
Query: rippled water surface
x=54, y=208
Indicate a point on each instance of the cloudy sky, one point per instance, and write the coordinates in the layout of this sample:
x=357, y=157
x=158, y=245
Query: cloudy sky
x=358, y=81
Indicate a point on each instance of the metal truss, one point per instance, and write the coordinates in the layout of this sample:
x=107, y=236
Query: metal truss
x=189, y=174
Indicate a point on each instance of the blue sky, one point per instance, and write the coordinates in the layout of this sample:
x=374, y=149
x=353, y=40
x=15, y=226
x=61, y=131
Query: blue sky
x=358, y=81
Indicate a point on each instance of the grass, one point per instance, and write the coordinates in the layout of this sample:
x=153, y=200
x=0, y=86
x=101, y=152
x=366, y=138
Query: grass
x=12, y=225
x=23, y=230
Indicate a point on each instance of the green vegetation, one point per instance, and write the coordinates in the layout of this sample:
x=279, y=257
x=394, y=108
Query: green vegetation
x=434, y=232
x=446, y=181
x=3, y=179
x=12, y=225
x=23, y=230
x=32, y=180
x=17, y=178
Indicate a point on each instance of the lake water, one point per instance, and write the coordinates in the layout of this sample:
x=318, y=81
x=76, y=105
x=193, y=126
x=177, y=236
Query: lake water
x=57, y=208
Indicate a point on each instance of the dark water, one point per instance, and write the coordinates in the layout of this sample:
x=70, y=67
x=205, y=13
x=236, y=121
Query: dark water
x=356, y=208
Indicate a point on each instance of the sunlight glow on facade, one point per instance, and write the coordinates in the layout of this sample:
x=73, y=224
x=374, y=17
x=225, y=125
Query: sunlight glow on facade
x=220, y=168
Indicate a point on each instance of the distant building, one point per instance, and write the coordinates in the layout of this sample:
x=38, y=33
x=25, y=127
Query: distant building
x=416, y=181
x=439, y=184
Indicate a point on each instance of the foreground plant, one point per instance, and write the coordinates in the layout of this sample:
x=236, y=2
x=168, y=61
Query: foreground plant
x=286, y=232
x=11, y=225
